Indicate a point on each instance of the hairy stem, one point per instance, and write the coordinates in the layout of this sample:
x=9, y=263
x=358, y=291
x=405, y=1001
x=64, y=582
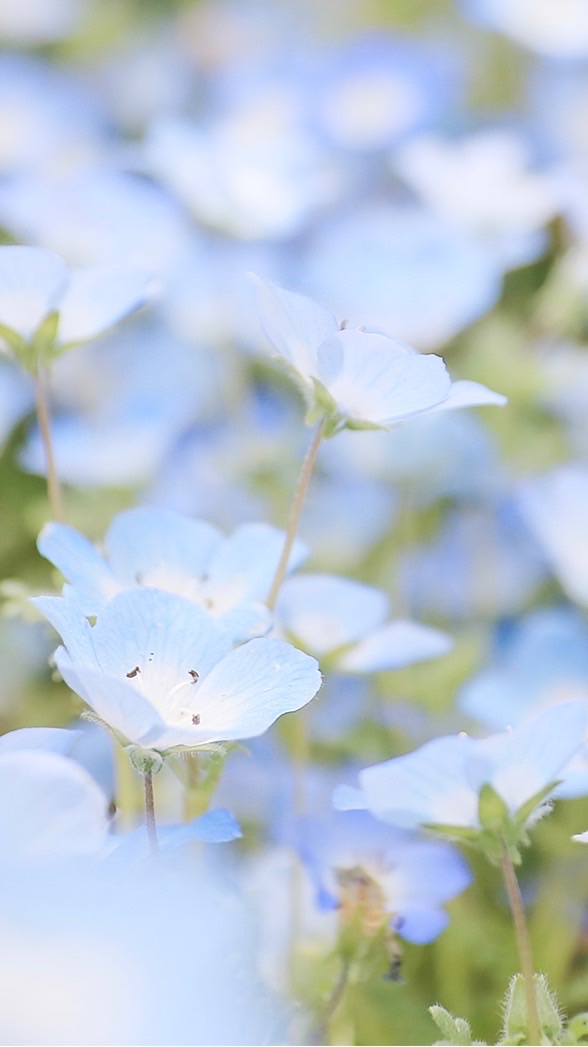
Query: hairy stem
x=295, y=513
x=150, y=813
x=53, y=484
x=523, y=945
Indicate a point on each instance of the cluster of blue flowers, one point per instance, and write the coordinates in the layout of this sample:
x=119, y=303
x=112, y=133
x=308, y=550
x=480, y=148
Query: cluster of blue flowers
x=266, y=754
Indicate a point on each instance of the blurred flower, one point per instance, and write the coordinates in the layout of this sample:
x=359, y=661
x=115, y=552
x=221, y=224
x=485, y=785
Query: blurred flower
x=441, y=785
x=483, y=185
x=35, y=22
x=162, y=674
x=410, y=877
x=555, y=508
x=355, y=378
x=402, y=266
x=42, y=301
x=375, y=89
x=227, y=577
x=542, y=662
x=344, y=620
x=111, y=954
x=483, y=561
x=52, y=810
x=557, y=30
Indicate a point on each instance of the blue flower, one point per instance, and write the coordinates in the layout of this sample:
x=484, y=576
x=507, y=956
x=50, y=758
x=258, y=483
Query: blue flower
x=164, y=676
x=229, y=578
x=357, y=379
x=411, y=877
x=42, y=300
x=340, y=617
x=439, y=785
x=555, y=508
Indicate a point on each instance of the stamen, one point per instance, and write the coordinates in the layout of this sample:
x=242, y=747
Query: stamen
x=194, y=674
x=134, y=672
x=196, y=719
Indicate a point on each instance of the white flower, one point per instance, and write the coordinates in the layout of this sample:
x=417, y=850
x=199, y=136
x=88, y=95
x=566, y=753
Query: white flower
x=36, y=286
x=359, y=379
x=158, y=670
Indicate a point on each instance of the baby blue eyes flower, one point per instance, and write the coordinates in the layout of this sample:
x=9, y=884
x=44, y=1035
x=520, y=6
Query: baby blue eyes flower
x=412, y=877
x=355, y=378
x=345, y=620
x=163, y=675
x=43, y=303
x=229, y=577
x=445, y=785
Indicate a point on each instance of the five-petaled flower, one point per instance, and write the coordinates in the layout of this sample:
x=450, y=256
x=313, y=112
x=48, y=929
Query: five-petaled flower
x=357, y=379
x=164, y=676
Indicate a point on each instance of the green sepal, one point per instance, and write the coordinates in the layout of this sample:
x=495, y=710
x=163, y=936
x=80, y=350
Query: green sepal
x=146, y=761
x=525, y=812
x=461, y=833
x=515, y=1021
x=18, y=346
x=456, y=1031
x=492, y=810
x=321, y=405
x=43, y=341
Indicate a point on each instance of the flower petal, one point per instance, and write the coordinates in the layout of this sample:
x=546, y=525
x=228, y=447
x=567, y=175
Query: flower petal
x=32, y=284
x=294, y=324
x=97, y=297
x=80, y=563
x=145, y=543
x=377, y=380
x=243, y=695
x=394, y=646
x=324, y=612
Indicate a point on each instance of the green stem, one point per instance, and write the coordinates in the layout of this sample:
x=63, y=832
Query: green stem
x=295, y=514
x=53, y=485
x=523, y=944
x=150, y=813
x=320, y=1032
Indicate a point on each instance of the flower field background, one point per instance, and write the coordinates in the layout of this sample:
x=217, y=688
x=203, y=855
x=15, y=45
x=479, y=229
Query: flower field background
x=294, y=494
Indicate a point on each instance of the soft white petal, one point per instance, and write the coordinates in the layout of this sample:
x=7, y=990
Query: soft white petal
x=165, y=637
x=147, y=544
x=324, y=612
x=243, y=695
x=32, y=284
x=73, y=627
x=244, y=564
x=80, y=563
x=294, y=324
x=395, y=645
x=50, y=808
x=470, y=394
x=117, y=703
x=427, y=786
x=97, y=297
x=374, y=379
x=539, y=751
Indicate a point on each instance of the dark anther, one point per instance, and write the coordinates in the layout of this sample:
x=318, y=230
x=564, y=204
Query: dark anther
x=195, y=675
x=196, y=719
x=134, y=672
